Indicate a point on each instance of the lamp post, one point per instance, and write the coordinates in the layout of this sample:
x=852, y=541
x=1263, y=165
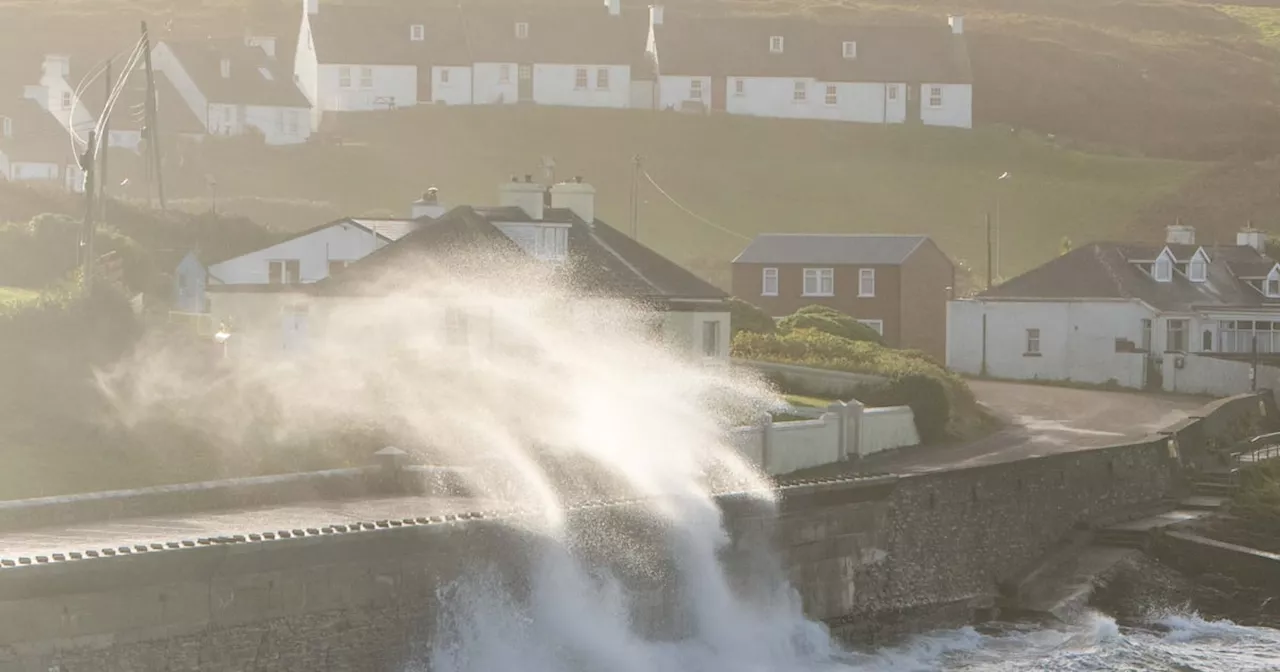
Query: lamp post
x=1003, y=176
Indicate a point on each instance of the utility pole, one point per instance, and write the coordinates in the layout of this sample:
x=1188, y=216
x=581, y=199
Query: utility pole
x=153, y=126
x=635, y=197
x=106, y=133
x=989, y=269
x=86, y=163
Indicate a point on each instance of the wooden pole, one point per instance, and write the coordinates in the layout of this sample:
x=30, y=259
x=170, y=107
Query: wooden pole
x=153, y=124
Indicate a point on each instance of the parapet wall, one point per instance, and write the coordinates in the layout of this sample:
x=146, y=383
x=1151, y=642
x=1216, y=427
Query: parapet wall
x=362, y=598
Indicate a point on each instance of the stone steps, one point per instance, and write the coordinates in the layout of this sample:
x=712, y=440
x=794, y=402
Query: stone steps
x=1213, y=488
x=1122, y=538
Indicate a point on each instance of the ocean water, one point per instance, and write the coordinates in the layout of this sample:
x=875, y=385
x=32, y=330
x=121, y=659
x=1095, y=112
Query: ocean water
x=1170, y=642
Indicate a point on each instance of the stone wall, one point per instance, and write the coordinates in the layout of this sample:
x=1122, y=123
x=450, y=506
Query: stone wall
x=863, y=553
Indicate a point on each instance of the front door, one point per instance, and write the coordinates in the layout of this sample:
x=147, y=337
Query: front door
x=719, y=93
x=913, y=103
x=525, y=90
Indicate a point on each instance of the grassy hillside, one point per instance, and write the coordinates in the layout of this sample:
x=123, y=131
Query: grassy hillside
x=746, y=176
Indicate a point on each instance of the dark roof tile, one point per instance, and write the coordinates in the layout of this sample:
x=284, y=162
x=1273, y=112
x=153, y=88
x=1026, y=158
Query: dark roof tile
x=253, y=77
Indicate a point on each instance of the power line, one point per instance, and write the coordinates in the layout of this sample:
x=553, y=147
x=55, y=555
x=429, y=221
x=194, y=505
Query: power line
x=689, y=212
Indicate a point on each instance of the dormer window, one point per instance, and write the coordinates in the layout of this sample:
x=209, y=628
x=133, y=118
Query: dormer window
x=417, y=32
x=850, y=49
x=266, y=74
x=775, y=44
x=1197, y=269
x=1162, y=270
x=1271, y=286
x=522, y=31
x=225, y=67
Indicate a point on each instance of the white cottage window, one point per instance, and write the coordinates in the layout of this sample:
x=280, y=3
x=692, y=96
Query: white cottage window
x=1197, y=270
x=444, y=75
x=344, y=77
x=801, y=92
x=695, y=89
x=850, y=49
x=522, y=30
x=739, y=87
x=417, y=32
x=1033, y=342
x=935, y=96
x=877, y=325
x=711, y=338
x=832, y=96
x=366, y=78
x=504, y=73
x=1162, y=270
x=580, y=78
x=7, y=129
x=775, y=44
x=1175, y=336
x=602, y=79
x=866, y=282
x=819, y=282
x=893, y=92
x=66, y=100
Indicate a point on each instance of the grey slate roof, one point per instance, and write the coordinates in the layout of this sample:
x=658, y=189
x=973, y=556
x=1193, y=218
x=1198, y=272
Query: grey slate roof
x=174, y=114
x=1105, y=270
x=246, y=85
x=602, y=259
x=37, y=135
x=829, y=248
x=739, y=46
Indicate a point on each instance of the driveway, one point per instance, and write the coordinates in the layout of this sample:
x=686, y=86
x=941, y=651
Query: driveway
x=1043, y=420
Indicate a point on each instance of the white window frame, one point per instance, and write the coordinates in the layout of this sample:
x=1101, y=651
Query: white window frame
x=767, y=276
x=800, y=93
x=366, y=77
x=711, y=338
x=866, y=283
x=444, y=76
x=823, y=282
x=1184, y=328
x=291, y=122
x=1197, y=269
x=1162, y=269
x=285, y=278
x=850, y=49
x=580, y=79
x=740, y=87
x=602, y=79
x=6, y=127
x=832, y=96
x=67, y=100
x=695, y=89
x=877, y=325
x=522, y=30
x=504, y=73
x=266, y=74
x=893, y=92
x=1032, y=346
x=935, y=96
x=417, y=32
x=776, y=44
x=344, y=77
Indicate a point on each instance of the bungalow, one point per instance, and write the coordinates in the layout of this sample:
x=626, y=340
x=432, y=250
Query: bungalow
x=1166, y=316
x=555, y=226
x=236, y=86
x=801, y=69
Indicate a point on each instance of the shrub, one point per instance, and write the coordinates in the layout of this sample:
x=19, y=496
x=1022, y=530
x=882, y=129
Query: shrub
x=829, y=321
x=940, y=400
x=744, y=316
x=1259, y=496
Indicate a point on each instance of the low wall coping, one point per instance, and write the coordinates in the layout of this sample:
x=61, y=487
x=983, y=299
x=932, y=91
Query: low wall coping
x=1234, y=548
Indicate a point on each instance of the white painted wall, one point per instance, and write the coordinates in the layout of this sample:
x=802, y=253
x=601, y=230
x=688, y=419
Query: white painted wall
x=684, y=332
x=338, y=242
x=886, y=428
x=1199, y=374
x=492, y=87
x=775, y=97
x=398, y=82
x=642, y=94
x=456, y=91
x=804, y=444
x=278, y=125
x=22, y=171
x=673, y=91
x=956, y=109
x=555, y=84
x=1077, y=339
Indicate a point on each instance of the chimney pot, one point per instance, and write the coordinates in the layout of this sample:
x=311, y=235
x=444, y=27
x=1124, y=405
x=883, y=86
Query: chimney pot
x=1253, y=238
x=1180, y=234
x=956, y=21
x=655, y=15
x=528, y=178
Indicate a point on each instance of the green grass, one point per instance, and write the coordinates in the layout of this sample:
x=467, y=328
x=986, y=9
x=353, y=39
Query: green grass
x=748, y=176
x=17, y=295
x=802, y=401
x=1265, y=21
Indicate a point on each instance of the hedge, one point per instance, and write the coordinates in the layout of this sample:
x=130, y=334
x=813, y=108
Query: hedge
x=744, y=316
x=829, y=321
x=940, y=400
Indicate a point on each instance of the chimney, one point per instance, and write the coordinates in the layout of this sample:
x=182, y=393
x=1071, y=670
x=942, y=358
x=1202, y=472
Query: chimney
x=526, y=195
x=1253, y=238
x=57, y=65
x=1180, y=234
x=225, y=66
x=956, y=21
x=311, y=7
x=577, y=196
x=615, y=7
x=655, y=15
x=427, y=206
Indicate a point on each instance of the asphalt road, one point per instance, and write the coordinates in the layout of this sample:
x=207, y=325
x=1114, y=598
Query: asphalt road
x=1044, y=420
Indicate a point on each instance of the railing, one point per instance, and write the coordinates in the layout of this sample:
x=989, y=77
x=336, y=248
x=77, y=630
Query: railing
x=1253, y=451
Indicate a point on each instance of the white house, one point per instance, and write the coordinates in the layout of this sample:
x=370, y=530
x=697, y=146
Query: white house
x=235, y=86
x=801, y=69
x=555, y=226
x=1131, y=314
x=34, y=147
x=56, y=93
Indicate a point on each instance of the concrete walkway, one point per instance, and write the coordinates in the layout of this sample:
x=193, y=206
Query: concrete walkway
x=1043, y=420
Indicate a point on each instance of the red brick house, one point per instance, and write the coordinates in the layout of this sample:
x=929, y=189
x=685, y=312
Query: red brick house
x=896, y=284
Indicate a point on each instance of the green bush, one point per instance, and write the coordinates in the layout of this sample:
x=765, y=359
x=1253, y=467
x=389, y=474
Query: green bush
x=1259, y=495
x=829, y=321
x=744, y=316
x=942, y=403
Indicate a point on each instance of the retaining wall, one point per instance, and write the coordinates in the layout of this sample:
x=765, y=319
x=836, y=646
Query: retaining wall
x=864, y=554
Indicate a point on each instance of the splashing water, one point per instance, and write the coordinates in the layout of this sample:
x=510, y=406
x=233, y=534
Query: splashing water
x=554, y=399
